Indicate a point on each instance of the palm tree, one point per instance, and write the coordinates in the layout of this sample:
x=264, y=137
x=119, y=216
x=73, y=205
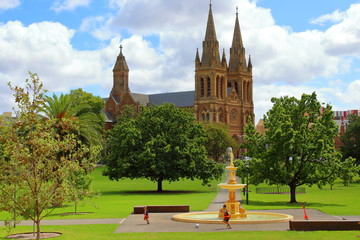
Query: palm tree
x=70, y=107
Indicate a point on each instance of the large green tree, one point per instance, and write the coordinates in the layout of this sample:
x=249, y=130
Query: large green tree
x=163, y=143
x=298, y=145
x=351, y=139
x=218, y=140
x=36, y=162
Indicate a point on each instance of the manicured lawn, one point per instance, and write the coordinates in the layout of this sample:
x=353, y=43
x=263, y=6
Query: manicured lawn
x=96, y=232
x=339, y=201
x=117, y=199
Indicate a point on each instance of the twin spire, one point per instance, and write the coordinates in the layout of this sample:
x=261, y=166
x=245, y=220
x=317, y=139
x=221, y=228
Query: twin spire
x=210, y=55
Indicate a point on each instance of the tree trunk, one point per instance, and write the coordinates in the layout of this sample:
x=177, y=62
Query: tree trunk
x=159, y=185
x=292, y=193
x=38, y=229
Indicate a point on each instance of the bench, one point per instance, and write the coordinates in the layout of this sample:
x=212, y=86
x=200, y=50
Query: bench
x=326, y=225
x=162, y=208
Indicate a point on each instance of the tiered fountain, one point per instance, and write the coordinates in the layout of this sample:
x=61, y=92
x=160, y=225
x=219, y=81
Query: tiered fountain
x=238, y=214
x=232, y=205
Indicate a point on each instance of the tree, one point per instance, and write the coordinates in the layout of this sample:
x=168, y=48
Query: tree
x=95, y=104
x=71, y=106
x=36, y=161
x=298, y=145
x=163, y=143
x=348, y=169
x=218, y=140
x=351, y=139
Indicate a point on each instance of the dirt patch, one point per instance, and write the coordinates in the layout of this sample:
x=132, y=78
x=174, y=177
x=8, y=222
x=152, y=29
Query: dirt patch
x=31, y=235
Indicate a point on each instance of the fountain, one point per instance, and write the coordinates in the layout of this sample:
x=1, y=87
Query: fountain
x=232, y=205
x=238, y=214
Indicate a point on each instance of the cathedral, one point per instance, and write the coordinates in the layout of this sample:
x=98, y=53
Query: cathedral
x=223, y=88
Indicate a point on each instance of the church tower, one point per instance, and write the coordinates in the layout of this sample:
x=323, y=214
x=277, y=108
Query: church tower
x=210, y=78
x=223, y=93
x=120, y=94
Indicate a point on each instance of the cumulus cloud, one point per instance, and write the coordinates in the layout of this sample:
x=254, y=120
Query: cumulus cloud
x=45, y=48
x=285, y=62
x=8, y=4
x=343, y=39
x=69, y=4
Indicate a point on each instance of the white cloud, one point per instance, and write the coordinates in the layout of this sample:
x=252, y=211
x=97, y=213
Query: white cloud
x=45, y=48
x=333, y=17
x=69, y=4
x=283, y=60
x=8, y=4
x=344, y=38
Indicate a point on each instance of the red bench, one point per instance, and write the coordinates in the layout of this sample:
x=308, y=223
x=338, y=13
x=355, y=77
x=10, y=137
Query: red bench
x=162, y=208
x=324, y=225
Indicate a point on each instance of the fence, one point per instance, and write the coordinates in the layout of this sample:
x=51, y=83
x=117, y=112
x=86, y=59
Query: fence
x=278, y=190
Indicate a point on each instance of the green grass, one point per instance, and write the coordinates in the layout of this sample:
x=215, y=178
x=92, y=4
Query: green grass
x=118, y=198
x=95, y=232
x=339, y=201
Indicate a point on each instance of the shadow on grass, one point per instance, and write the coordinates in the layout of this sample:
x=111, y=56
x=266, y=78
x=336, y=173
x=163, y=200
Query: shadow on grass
x=292, y=205
x=149, y=192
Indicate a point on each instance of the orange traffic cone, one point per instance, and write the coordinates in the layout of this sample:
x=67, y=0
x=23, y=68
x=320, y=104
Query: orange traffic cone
x=305, y=215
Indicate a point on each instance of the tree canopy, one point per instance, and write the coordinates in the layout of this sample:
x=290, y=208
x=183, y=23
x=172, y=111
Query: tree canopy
x=298, y=145
x=77, y=107
x=351, y=139
x=36, y=161
x=218, y=140
x=163, y=143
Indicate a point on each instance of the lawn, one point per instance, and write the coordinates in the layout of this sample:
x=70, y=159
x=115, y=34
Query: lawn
x=96, y=232
x=118, y=198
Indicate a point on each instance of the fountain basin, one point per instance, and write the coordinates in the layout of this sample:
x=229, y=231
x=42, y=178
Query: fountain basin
x=231, y=186
x=251, y=218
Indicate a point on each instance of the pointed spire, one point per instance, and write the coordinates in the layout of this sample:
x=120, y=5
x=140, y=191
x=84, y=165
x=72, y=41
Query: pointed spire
x=210, y=55
x=121, y=64
x=237, y=50
x=223, y=60
x=249, y=64
x=210, y=27
x=197, y=58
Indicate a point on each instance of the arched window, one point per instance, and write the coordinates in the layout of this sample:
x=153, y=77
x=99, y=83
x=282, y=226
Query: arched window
x=217, y=87
x=222, y=88
x=236, y=88
x=202, y=87
x=203, y=117
x=208, y=88
x=208, y=117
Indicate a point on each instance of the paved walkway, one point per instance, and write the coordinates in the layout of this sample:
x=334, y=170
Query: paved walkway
x=162, y=222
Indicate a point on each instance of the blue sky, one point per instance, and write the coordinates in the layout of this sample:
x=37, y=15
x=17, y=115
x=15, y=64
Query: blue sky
x=297, y=46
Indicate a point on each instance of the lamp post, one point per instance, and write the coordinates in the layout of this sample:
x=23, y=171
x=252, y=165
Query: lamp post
x=247, y=182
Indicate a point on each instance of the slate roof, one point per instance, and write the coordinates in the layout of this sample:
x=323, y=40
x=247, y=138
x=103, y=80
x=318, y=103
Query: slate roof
x=179, y=99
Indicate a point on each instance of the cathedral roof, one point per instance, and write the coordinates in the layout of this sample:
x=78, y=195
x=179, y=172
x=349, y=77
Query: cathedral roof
x=179, y=99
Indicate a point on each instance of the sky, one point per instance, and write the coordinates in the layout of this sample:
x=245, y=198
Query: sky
x=296, y=47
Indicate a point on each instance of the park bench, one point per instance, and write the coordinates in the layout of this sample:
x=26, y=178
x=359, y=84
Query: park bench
x=162, y=208
x=324, y=225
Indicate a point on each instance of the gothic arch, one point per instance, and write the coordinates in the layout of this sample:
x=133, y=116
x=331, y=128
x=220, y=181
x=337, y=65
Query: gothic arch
x=208, y=87
x=202, y=87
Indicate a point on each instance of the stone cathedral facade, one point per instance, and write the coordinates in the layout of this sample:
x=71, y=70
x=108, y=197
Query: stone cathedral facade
x=223, y=88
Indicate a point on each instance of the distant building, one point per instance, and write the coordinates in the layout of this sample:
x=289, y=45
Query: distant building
x=223, y=89
x=340, y=117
